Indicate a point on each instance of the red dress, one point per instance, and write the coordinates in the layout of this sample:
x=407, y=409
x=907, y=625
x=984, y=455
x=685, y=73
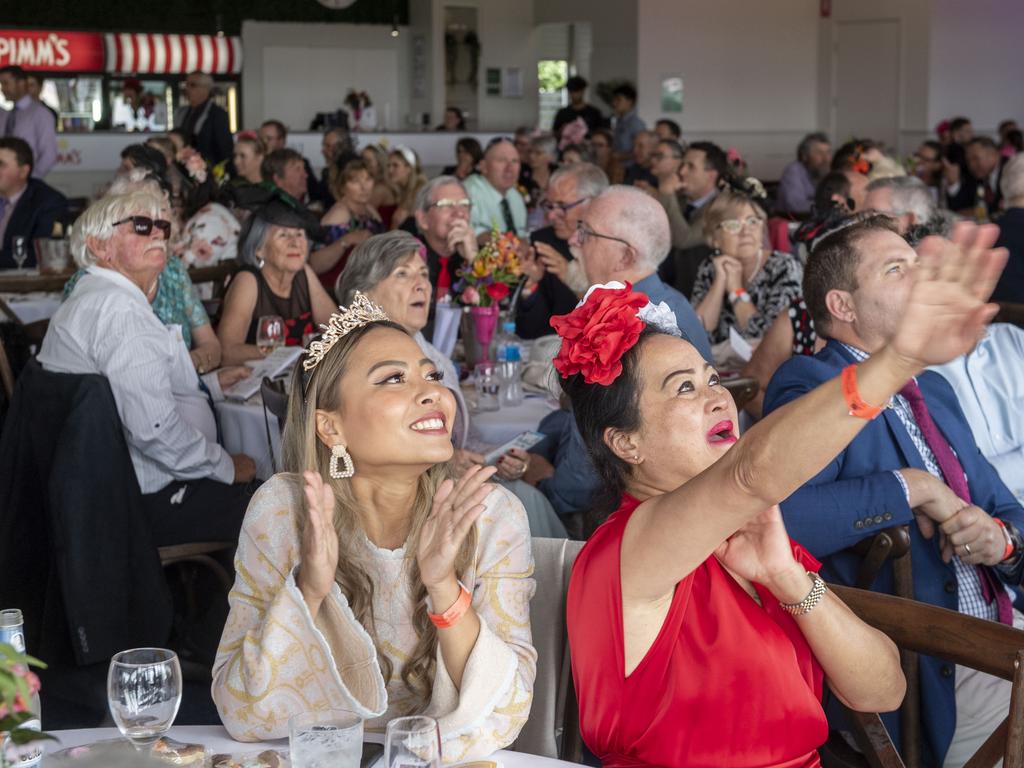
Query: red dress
x=726, y=682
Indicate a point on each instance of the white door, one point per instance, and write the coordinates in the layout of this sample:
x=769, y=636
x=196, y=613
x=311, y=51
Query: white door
x=866, y=81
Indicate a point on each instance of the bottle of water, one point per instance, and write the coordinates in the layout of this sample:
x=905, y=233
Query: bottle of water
x=506, y=337
x=511, y=378
x=12, y=632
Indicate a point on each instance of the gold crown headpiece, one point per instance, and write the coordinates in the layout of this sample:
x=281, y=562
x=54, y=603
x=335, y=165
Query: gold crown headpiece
x=361, y=311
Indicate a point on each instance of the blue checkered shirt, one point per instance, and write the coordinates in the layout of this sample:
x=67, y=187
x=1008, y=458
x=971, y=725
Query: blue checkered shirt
x=971, y=600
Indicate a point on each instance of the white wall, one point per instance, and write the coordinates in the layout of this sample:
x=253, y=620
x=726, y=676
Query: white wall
x=506, y=40
x=613, y=26
x=749, y=72
x=308, y=68
x=975, y=64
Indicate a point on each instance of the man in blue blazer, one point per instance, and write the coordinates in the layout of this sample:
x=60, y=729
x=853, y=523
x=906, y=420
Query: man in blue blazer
x=895, y=473
x=28, y=207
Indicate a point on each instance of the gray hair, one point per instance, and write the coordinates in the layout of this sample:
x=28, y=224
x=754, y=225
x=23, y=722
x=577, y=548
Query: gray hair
x=909, y=195
x=1013, y=178
x=372, y=261
x=98, y=220
x=254, y=235
x=641, y=221
x=590, y=180
x=804, y=147
x=425, y=197
x=545, y=143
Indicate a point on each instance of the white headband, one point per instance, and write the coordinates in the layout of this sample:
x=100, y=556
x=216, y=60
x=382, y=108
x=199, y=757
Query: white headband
x=408, y=154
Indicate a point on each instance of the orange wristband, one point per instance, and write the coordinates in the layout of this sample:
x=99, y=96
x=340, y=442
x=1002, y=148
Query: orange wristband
x=857, y=406
x=1008, y=552
x=451, y=617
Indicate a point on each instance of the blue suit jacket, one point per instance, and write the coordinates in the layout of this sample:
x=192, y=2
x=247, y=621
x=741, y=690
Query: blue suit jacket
x=857, y=495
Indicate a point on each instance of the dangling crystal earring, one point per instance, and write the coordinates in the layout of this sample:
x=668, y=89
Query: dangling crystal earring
x=338, y=452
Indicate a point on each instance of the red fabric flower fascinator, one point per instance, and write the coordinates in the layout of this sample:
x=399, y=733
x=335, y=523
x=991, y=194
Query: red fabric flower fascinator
x=599, y=332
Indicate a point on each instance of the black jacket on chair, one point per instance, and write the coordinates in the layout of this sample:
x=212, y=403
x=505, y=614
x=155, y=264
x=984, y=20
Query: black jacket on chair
x=75, y=543
x=39, y=206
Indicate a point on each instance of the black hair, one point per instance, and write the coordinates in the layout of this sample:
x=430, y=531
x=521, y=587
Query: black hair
x=21, y=149
x=146, y=157
x=714, y=159
x=471, y=147
x=673, y=127
x=13, y=69
x=934, y=145
x=461, y=125
x=958, y=122
x=832, y=183
x=678, y=150
x=1015, y=139
x=597, y=408
x=576, y=83
x=626, y=91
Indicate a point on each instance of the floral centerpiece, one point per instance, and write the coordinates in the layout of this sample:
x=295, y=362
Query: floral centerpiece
x=482, y=285
x=489, y=278
x=18, y=685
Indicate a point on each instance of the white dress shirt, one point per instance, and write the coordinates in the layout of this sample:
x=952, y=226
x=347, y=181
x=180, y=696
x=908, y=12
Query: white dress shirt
x=988, y=384
x=107, y=327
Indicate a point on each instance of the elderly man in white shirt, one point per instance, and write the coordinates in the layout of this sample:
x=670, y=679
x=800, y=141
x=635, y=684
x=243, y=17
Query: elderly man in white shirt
x=496, y=201
x=193, y=489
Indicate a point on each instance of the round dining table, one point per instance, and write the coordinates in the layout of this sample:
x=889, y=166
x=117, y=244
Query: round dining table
x=217, y=741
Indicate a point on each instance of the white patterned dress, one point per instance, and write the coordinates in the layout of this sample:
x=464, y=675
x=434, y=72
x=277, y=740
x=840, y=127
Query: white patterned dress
x=275, y=661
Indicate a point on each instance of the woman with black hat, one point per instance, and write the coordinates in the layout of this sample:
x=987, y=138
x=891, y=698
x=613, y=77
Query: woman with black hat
x=276, y=280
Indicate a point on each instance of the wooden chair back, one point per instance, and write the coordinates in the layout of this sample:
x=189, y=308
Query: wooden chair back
x=6, y=374
x=971, y=642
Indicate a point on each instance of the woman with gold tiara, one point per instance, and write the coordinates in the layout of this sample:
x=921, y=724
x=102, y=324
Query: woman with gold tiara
x=366, y=579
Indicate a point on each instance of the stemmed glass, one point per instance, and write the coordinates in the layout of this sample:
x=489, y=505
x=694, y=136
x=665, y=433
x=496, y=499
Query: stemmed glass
x=412, y=742
x=269, y=334
x=144, y=692
x=20, y=247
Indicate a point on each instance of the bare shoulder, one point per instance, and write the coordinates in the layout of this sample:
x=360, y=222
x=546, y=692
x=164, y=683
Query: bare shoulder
x=339, y=214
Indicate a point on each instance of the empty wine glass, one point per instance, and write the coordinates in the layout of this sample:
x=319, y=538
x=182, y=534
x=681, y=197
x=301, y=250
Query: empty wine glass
x=269, y=334
x=20, y=253
x=144, y=691
x=412, y=742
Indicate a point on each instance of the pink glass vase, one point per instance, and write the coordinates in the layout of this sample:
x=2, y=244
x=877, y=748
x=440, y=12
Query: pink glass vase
x=483, y=324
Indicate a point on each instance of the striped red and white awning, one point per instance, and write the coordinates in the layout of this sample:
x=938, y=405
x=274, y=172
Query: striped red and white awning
x=144, y=54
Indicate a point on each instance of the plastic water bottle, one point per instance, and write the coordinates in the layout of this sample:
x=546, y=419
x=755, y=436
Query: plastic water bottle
x=511, y=378
x=506, y=337
x=12, y=632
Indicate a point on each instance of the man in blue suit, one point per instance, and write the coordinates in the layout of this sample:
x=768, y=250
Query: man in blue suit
x=28, y=206
x=917, y=464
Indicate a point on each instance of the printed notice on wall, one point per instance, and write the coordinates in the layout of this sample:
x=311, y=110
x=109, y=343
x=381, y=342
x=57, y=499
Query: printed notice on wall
x=672, y=93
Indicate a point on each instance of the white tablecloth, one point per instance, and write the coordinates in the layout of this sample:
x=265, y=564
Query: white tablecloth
x=244, y=431
x=492, y=428
x=32, y=307
x=217, y=741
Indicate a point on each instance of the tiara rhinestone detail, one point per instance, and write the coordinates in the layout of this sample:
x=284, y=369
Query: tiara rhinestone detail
x=361, y=311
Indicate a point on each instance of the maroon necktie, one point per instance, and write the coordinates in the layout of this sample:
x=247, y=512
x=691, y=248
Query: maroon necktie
x=953, y=472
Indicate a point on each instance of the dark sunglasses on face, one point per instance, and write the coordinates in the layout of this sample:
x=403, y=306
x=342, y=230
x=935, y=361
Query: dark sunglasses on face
x=143, y=225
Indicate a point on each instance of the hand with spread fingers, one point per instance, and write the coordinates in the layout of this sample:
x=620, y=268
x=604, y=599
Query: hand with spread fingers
x=318, y=555
x=974, y=536
x=457, y=505
x=946, y=311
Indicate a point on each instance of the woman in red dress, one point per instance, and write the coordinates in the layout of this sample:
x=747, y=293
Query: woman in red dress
x=700, y=632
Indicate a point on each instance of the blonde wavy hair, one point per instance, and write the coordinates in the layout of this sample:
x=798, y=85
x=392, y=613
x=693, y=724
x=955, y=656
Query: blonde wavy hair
x=302, y=450
x=406, y=193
